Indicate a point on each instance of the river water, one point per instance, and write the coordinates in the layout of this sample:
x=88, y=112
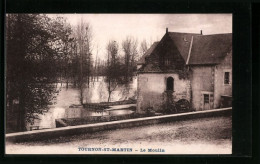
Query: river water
x=95, y=93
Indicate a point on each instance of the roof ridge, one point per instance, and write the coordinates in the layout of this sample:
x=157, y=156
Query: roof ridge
x=188, y=58
x=198, y=34
x=216, y=34
x=184, y=33
x=141, y=60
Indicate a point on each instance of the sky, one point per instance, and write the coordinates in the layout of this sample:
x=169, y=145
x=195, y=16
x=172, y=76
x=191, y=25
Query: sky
x=150, y=27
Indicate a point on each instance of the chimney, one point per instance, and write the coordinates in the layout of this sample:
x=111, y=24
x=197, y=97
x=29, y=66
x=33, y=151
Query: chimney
x=201, y=32
x=166, y=29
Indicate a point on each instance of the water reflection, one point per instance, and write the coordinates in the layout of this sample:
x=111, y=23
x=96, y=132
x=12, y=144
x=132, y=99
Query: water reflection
x=120, y=112
x=96, y=92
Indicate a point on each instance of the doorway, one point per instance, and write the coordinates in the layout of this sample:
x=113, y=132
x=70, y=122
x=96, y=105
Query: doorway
x=206, y=103
x=170, y=84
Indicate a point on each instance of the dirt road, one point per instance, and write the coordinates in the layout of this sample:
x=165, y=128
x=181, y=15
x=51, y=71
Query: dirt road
x=198, y=136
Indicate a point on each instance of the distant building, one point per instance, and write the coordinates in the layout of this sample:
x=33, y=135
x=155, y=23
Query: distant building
x=193, y=67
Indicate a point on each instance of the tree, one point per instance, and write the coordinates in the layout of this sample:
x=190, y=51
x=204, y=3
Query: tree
x=129, y=46
x=63, y=46
x=113, y=73
x=143, y=47
x=84, y=40
x=74, y=68
x=30, y=65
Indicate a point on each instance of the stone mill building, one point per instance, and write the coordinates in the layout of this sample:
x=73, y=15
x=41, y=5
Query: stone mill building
x=189, y=67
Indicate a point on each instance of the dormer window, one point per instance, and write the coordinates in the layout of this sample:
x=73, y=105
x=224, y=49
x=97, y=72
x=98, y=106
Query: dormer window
x=167, y=62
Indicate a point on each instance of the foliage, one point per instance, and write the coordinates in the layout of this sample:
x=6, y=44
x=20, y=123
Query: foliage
x=31, y=68
x=129, y=46
x=168, y=105
x=84, y=58
x=114, y=73
x=42, y=51
x=183, y=74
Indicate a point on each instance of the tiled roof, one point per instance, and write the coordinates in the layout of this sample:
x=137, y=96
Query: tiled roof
x=150, y=68
x=206, y=49
x=147, y=53
x=210, y=49
x=182, y=42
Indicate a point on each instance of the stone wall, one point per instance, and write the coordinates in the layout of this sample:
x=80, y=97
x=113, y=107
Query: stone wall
x=202, y=81
x=151, y=88
x=221, y=88
x=210, y=80
x=90, y=128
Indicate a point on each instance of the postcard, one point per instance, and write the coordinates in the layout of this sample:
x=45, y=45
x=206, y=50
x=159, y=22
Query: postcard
x=153, y=84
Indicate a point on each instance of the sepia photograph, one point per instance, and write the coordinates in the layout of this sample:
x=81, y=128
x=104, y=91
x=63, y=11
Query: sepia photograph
x=153, y=84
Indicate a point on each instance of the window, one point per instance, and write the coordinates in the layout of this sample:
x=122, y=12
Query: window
x=170, y=84
x=227, y=78
x=206, y=98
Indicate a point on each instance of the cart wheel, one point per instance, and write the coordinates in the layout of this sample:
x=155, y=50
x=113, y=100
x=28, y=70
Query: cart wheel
x=183, y=105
